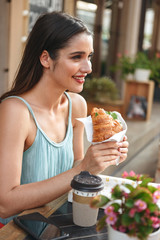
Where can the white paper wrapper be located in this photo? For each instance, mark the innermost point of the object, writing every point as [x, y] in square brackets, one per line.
[116, 137]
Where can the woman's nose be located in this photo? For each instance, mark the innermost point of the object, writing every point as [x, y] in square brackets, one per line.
[86, 67]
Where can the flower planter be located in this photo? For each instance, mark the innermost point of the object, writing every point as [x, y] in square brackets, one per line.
[142, 75]
[116, 235]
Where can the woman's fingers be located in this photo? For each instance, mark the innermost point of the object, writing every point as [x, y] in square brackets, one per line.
[110, 152]
[123, 150]
[112, 144]
[125, 138]
[106, 145]
[102, 155]
[123, 157]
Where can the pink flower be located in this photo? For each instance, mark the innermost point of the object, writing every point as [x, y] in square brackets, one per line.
[132, 174]
[132, 212]
[157, 55]
[157, 213]
[111, 219]
[124, 174]
[141, 205]
[122, 229]
[109, 210]
[119, 55]
[156, 196]
[155, 222]
[147, 213]
[139, 177]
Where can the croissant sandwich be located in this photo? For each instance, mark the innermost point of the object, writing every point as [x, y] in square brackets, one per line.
[105, 124]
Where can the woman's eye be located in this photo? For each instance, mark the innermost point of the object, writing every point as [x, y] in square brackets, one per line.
[76, 57]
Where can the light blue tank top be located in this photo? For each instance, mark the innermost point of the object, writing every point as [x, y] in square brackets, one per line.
[45, 158]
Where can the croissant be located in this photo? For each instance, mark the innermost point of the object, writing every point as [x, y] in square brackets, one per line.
[104, 126]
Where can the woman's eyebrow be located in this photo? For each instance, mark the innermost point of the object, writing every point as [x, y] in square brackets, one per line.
[80, 52]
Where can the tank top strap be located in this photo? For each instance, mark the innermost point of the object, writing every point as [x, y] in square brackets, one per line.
[28, 106]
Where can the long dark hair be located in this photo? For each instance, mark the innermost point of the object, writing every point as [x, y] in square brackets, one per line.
[51, 32]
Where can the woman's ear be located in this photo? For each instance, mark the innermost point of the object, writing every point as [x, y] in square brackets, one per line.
[45, 59]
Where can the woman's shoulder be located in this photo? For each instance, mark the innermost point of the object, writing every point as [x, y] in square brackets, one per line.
[79, 105]
[13, 107]
[77, 97]
[15, 121]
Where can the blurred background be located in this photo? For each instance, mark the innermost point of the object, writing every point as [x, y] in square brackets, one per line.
[126, 38]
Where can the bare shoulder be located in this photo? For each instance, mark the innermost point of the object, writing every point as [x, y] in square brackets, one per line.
[79, 105]
[13, 109]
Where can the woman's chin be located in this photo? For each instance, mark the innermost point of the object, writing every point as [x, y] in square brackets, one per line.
[76, 90]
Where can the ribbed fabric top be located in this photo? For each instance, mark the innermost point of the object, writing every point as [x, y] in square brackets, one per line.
[45, 158]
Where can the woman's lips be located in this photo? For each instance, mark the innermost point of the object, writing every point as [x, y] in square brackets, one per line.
[80, 79]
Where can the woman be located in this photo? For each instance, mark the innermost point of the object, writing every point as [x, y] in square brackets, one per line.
[40, 137]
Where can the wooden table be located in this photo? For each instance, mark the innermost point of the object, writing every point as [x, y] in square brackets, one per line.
[60, 213]
[12, 232]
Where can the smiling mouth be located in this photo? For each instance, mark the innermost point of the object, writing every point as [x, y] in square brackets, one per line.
[79, 79]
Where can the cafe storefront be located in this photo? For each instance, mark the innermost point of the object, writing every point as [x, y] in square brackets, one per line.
[119, 26]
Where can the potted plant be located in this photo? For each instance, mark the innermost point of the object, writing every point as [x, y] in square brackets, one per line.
[131, 212]
[100, 89]
[137, 67]
[125, 65]
[142, 67]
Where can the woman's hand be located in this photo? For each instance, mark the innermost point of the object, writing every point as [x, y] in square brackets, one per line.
[102, 155]
[123, 149]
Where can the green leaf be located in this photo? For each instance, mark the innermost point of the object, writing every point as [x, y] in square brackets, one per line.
[129, 203]
[152, 207]
[99, 201]
[144, 197]
[144, 231]
[114, 115]
[126, 220]
[96, 114]
[117, 192]
[116, 206]
[108, 112]
[152, 189]
[145, 182]
[141, 193]
[101, 223]
[130, 187]
[137, 217]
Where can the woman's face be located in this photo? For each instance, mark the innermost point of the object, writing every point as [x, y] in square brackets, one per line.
[73, 63]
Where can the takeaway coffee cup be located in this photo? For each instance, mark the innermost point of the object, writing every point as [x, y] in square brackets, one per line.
[85, 186]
